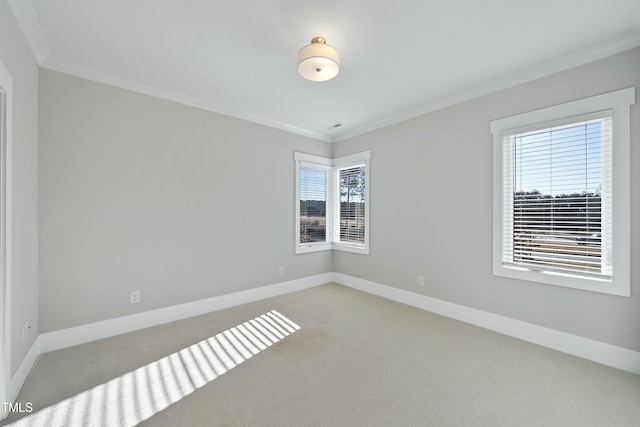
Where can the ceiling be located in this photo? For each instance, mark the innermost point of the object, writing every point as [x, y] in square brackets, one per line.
[399, 59]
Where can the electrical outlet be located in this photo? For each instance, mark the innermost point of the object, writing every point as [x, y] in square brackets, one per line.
[281, 271]
[25, 331]
[134, 298]
[420, 280]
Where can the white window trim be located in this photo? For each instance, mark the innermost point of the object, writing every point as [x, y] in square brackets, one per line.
[6, 110]
[333, 202]
[618, 101]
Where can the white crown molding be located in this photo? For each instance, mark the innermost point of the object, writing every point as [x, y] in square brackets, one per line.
[27, 19]
[28, 22]
[585, 348]
[614, 46]
[53, 64]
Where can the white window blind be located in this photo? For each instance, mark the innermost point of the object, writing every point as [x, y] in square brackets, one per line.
[352, 204]
[557, 197]
[313, 204]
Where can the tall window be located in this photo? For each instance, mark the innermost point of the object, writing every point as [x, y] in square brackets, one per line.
[554, 210]
[561, 197]
[352, 204]
[332, 203]
[313, 204]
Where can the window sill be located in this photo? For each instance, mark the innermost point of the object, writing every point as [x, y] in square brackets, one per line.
[332, 246]
[612, 287]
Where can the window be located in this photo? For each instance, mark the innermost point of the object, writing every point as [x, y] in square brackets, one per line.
[332, 203]
[561, 194]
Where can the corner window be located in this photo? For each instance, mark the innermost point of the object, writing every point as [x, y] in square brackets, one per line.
[332, 203]
[561, 194]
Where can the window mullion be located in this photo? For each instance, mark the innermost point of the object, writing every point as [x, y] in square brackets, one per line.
[331, 203]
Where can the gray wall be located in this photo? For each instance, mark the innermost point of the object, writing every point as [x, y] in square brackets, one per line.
[138, 193]
[16, 57]
[431, 209]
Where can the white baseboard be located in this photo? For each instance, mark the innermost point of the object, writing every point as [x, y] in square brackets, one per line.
[585, 348]
[63, 338]
[596, 351]
[21, 374]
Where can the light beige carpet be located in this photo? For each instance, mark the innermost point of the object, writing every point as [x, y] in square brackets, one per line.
[356, 360]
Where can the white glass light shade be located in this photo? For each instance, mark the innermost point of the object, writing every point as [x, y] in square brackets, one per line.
[318, 61]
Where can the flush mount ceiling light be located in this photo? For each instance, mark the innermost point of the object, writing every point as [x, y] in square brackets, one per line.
[318, 61]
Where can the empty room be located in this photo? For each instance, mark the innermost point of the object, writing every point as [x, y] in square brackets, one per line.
[292, 213]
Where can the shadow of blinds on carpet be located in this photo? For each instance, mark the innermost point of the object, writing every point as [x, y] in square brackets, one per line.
[137, 395]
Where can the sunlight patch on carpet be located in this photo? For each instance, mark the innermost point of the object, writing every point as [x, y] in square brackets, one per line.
[136, 396]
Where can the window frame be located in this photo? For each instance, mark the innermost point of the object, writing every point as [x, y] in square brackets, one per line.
[334, 166]
[618, 103]
[6, 132]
